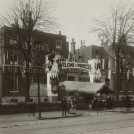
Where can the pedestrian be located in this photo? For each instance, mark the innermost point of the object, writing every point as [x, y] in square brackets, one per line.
[32, 109]
[68, 107]
[64, 106]
[74, 105]
[90, 106]
[127, 102]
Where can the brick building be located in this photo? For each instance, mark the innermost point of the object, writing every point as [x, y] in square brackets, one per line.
[107, 67]
[12, 63]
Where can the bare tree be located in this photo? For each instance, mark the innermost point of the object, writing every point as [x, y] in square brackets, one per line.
[116, 32]
[22, 22]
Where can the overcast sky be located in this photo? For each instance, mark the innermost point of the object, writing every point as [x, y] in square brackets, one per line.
[75, 16]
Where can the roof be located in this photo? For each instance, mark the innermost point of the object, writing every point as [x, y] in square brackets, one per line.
[105, 90]
[86, 52]
[38, 32]
[85, 87]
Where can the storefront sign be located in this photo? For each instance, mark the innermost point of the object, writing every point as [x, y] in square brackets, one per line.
[76, 65]
[16, 69]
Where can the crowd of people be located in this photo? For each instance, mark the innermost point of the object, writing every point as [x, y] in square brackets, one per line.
[70, 106]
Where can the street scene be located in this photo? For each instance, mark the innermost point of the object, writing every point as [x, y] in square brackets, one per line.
[66, 67]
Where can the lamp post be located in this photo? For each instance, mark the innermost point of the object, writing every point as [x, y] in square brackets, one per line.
[39, 110]
[14, 78]
[97, 102]
[40, 49]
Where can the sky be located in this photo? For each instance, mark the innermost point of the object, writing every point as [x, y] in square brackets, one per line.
[76, 17]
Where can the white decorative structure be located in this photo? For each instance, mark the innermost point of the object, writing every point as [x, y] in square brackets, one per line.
[53, 73]
[95, 70]
[50, 95]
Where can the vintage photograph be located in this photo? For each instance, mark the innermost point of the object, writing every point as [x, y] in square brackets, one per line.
[66, 66]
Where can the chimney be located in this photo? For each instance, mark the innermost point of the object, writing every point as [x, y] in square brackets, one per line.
[73, 46]
[82, 43]
[59, 32]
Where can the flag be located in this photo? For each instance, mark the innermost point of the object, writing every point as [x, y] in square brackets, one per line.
[103, 63]
[109, 64]
[109, 74]
[23, 72]
[68, 57]
[128, 72]
[123, 61]
[4, 56]
[132, 71]
[98, 63]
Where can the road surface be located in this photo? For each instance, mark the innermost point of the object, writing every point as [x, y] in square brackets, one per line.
[103, 123]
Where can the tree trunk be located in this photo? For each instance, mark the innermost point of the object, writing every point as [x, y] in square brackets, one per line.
[117, 78]
[27, 82]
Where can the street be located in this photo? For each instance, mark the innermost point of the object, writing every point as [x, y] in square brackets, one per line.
[103, 123]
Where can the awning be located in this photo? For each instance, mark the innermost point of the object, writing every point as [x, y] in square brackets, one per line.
[34, 90]
[105, 90]
[85, 87]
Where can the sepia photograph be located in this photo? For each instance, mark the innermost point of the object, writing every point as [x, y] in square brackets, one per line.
[66, 66]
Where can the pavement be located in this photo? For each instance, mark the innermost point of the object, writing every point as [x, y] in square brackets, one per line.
[121, 109]
[58, 114]
[20, 117]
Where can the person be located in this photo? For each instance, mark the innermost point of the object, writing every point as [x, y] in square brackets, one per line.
[127, 101]
[90, 106]
[64, 106]
[71, 105]
[32, 109]
[68, 107]
[94, 104]
[74, 105]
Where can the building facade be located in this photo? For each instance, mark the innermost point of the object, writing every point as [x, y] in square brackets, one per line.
[103, 59]
[12, 64]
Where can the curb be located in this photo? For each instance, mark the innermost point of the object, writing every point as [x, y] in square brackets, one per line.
[120, 111]
[47, 118]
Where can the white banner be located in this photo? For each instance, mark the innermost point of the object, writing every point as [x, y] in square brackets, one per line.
[76, 65]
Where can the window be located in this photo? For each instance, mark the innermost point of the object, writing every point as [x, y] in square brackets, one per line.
[97, 52]
[70, 78]
[58, 44]
[121, 84]
[12, 57]
[13, 82]
[130, 83]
